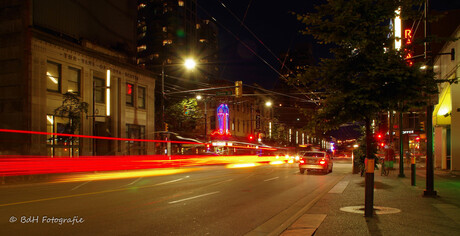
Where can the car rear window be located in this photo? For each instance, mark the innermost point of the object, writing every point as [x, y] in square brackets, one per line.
[314, 154]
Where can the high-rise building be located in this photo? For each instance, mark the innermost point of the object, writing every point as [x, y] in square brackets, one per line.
[168, 32]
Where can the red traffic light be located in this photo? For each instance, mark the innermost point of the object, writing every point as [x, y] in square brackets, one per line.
[251, 137]
[382, 144]
[417, 139]
[379, 136]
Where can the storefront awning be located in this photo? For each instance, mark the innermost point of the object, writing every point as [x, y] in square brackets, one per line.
[442, 111]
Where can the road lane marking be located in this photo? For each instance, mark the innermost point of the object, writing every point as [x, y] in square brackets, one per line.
[172, 181]
[339, 187]
[271, 179]
[135, 181]
[190, 198]
[80, 185]
[95, 193]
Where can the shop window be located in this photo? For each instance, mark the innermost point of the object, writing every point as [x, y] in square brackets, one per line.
[53, 74]
[59, 145]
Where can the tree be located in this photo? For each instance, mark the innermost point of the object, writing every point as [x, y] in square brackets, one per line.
[366, 75]
[73, 109]
[183, 115]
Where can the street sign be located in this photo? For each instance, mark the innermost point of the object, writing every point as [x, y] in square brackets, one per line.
[223, 93]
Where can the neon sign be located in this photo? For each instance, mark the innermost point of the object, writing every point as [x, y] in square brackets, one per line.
[222, 117]
[408, 37]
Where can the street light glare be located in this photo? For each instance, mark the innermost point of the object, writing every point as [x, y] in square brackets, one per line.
[268, 104]
[198, 97]
[190, 63]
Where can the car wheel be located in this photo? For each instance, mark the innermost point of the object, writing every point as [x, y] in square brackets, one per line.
[302, 171]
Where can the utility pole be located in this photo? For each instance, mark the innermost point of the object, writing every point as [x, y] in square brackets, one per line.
[429, 191]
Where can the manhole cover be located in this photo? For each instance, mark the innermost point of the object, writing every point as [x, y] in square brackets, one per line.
[379, 210]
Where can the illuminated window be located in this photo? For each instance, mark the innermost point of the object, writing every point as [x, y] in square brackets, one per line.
[58, 145]
[73, 85]
[165, 29]
[180, 3]
[197, 26]
[167, 41]
[129, 94]
[142, 5]
[99, 90]
[53, 74]
[203, 40]
[141, 97]
[140, 36]
[141, 48]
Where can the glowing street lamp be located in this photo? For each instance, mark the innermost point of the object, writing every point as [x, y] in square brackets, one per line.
[190, 63]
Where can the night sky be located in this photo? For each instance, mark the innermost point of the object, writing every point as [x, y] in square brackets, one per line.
[272, 23]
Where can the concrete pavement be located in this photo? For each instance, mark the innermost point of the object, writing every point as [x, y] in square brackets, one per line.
[402, 208]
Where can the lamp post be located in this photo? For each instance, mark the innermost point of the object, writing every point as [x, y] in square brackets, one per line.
[189, 64]
[199, 97]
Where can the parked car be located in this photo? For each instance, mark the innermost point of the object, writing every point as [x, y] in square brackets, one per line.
[315, 160]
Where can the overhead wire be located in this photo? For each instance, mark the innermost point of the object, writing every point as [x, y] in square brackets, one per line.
[247, 46]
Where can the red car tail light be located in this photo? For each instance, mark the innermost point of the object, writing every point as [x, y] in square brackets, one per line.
[302, 161]
[322, 162]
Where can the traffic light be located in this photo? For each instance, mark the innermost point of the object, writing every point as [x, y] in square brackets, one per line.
[166, 126]
[382, 144]
[238, 89]
[251, 137]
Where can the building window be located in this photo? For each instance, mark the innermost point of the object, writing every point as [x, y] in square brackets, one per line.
[99, 90]
[73, 84]
[53, 73]
[197, 26]
[141, 48]
[141, 97]
[142, 5]
[180, 3]
[129, 94]
[135, 132]
[167, 41]
[58, 145]
[165, 29]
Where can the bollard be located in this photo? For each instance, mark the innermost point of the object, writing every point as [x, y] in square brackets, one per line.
[369, 188]
[412, 167]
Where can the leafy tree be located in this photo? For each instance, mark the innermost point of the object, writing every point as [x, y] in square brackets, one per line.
[366, 75]
[183, 115]
[72, 109]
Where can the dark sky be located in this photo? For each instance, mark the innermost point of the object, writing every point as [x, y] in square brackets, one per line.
[271, 22]
[275, 26]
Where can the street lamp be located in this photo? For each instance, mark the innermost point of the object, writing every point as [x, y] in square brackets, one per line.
[199, 97]
[189, 64]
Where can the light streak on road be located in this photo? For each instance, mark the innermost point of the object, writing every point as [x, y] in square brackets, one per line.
[121, 175]
[242, 165]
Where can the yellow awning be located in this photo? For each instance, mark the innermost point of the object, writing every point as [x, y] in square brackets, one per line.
[442, 111]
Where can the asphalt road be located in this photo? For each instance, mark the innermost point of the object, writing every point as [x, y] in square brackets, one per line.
[195, 201]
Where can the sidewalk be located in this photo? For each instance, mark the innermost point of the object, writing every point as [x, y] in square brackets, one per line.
[418, 215]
